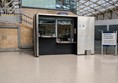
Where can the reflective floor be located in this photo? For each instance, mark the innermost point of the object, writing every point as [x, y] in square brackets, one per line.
[23, 67]
[97, 69]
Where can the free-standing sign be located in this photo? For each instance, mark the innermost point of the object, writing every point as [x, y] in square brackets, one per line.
[109, 38]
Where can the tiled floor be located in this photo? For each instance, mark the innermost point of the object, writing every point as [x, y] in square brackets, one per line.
[97, 69]
[23, 67]
[18, 67]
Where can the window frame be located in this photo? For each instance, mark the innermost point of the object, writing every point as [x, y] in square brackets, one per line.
[49, 18]
[71, 30]
[56, 19]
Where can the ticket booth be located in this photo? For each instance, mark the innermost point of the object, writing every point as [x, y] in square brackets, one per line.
[59, 34]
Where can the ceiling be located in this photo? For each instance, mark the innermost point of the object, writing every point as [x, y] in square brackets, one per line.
[95, 7]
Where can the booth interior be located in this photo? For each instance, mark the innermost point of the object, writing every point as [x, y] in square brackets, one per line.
[55, 34]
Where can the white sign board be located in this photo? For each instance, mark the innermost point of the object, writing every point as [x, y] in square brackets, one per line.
[109, 39]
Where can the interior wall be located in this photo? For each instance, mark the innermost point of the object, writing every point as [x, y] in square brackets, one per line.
[8, 38]
[26, 37]
[85, 35]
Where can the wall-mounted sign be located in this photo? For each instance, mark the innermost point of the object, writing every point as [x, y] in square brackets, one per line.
[109, 39]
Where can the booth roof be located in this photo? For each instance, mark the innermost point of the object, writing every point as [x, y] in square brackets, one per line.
[33, 11]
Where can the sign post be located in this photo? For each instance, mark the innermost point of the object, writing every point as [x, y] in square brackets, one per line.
[108, 39]
[102, 45]
[116, 45]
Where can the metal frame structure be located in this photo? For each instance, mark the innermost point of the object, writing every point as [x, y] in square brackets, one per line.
[10, 6]
[97, 7]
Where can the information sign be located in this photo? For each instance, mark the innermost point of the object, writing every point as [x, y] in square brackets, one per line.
[109, 39]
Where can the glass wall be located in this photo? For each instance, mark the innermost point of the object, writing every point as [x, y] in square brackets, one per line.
[52, 4]
[39, 3]
[65, 31]
[66, 5]
[60, 28]
[47, 27]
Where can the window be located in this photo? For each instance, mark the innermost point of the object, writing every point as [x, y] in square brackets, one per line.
[65, 31]
[60, 28]
[39, 3]
[47, 27]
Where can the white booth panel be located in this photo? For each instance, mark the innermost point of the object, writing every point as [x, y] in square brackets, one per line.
[85, 34]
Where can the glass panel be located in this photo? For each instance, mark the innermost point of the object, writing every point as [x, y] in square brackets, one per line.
[67, 5]
[52, 4]
[65, 31]
[39, 3]
[47, 28]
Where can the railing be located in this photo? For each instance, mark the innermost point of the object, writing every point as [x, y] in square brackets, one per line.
[10, 18]
[16, 17]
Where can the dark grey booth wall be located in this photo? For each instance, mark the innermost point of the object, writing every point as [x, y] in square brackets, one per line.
[48, 46]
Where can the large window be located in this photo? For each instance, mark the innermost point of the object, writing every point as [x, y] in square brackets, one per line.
[60, 28]
[65, 31]
[47, 27]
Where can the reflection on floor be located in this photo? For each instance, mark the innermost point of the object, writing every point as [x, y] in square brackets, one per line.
[97, 69]
[18, 67]
[23, 67]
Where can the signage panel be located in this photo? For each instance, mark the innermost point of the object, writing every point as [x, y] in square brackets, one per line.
[109, 39]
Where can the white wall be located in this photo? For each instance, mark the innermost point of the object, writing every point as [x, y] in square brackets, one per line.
[85, 35]
[107, 22]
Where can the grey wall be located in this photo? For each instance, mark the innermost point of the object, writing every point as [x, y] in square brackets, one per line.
[107, 22]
